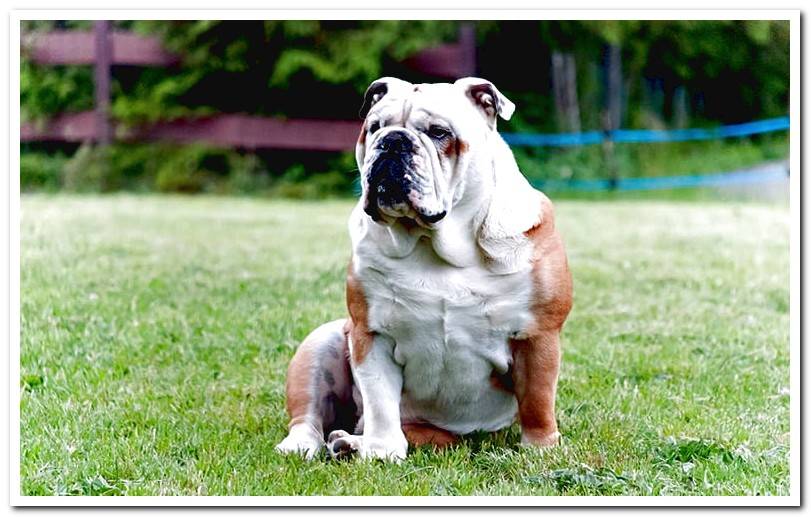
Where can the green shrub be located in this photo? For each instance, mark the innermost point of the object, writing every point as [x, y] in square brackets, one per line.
[325, 184]
[183, 171]
[41, 171]
[191, 168]
[654, 159]
[248, 175]
[299, 182]
[88, 170]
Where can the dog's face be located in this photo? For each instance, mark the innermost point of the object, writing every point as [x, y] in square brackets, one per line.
[417, 144]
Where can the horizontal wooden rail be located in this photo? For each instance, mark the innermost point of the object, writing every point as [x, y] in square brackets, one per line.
[231, 130]
[77, 48]
[72, 47]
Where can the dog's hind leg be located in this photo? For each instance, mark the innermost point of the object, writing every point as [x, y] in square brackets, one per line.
[319, 390]
[422, 434]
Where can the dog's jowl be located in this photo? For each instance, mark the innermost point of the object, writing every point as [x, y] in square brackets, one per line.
[457, 288]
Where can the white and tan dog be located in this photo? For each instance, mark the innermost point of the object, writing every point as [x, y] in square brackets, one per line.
[457, 289]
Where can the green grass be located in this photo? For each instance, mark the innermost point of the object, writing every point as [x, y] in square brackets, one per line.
[156, 333]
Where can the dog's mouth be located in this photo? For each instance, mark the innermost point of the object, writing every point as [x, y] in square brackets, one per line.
[400, 210]
[393, 197]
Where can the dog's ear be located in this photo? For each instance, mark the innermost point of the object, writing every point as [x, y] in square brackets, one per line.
[487, 98]
[377, 90]
[374, 93]
[514, 210]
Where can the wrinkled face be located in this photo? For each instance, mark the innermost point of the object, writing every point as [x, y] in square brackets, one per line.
[415, 149]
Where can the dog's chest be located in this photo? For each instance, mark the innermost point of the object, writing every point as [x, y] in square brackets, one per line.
[451, 329]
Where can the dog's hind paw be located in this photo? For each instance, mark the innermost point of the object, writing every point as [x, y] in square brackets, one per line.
[342, 445]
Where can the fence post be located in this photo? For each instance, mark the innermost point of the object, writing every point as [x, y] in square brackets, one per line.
[101, 75]
[467, 42]
[612, 108]
[680, 108]
[564, 85]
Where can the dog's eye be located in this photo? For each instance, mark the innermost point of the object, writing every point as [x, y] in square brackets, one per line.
[438, 132]
[373, 127]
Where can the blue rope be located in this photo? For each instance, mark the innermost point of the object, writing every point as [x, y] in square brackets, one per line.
[766, 174]
[553, 140]
[740, 177]
[646, 135]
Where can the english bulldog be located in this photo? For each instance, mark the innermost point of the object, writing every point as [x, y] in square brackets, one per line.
[457, 289]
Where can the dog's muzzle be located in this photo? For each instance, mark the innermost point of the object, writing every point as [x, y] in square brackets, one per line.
[392, 185]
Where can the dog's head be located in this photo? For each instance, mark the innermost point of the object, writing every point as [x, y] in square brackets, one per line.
[417, 145]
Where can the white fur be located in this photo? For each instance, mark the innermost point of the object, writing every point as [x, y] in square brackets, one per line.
[380, 381]
[304, 439]
[444, 301]
[450, 327]
[307, 438]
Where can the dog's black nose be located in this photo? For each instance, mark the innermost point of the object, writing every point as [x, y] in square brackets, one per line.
[433, 218]
[396, 142]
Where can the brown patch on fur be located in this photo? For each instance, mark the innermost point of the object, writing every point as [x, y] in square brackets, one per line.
[461, 147]
[298, 387]
[552, 280]
[536, 358]
[455, 148]
[362, 135]
[427, 434]
[362, 337]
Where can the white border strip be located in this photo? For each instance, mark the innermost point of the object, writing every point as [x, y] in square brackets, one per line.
[442, 14]
[794, 252]
[332, 501]
[14, 260]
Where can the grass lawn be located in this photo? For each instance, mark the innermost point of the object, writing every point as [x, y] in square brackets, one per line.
[156, 333]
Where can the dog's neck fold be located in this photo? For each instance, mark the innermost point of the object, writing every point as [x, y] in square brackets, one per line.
[513, 209]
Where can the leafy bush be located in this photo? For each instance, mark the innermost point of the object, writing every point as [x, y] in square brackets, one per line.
[45, 90]
[656, 159]
[87, 170]
[296, 184]
[186, 168]
[41, 171]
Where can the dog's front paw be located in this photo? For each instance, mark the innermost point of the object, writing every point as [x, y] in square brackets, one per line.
[301, 440]
[342, 445]
[389, 450]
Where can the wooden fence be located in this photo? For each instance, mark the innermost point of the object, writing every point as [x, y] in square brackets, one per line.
[103, 47]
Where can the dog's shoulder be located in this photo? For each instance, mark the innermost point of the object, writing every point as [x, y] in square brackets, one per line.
[551, 277]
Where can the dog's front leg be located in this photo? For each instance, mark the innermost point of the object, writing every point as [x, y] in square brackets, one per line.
[380, 380]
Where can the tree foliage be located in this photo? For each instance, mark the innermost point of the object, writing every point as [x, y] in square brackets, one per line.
[261, 67]
[733, 70]
[717, 71]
